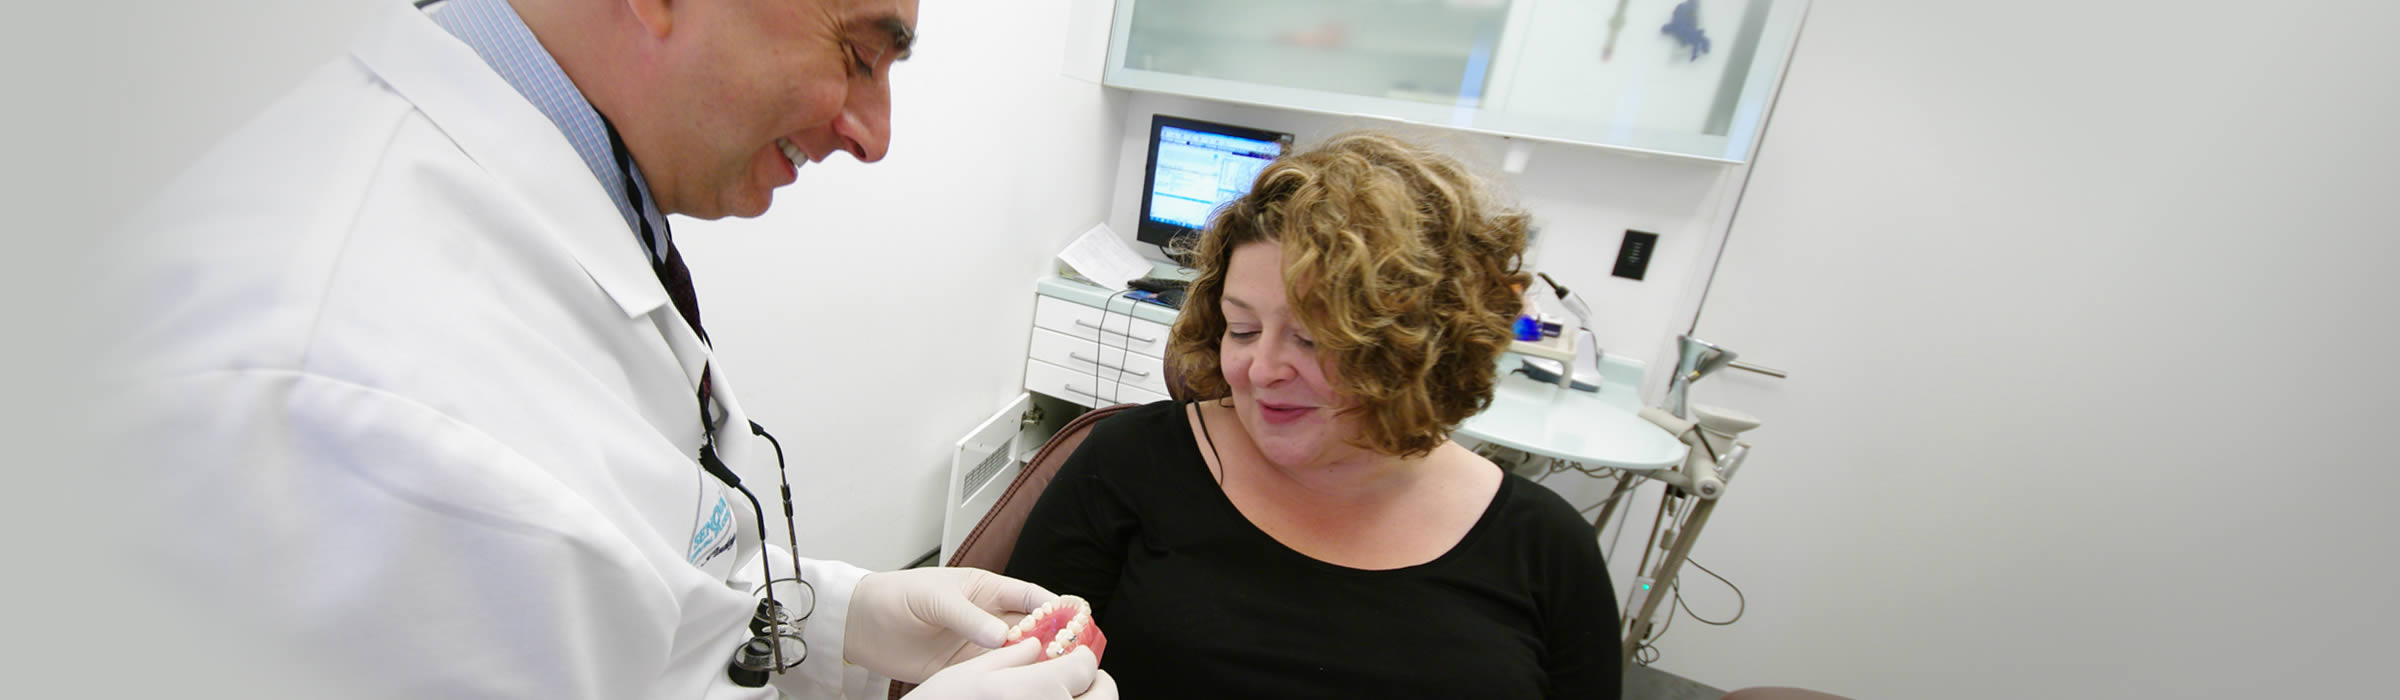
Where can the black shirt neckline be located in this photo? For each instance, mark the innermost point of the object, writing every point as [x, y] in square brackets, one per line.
[1483, 523]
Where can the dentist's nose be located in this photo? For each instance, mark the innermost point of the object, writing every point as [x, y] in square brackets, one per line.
[866, 125]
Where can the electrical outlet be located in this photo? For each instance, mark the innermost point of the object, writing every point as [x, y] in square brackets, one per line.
[1633, 256]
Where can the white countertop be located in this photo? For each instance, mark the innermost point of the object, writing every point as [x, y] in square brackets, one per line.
[1091, 295]
[1601, 429]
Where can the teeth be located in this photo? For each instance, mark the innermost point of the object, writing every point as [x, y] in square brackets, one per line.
[792, 153]
[1068, 636]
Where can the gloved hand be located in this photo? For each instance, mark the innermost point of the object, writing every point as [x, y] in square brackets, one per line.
[1013, 674]
[910, 623]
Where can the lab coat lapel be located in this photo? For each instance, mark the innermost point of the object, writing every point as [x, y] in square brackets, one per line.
[521, 148]
[497, 128]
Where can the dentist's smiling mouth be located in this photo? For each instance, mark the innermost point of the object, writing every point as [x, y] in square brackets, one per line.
[792, 153]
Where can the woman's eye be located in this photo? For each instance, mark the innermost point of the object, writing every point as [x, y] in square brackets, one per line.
[1241, 335]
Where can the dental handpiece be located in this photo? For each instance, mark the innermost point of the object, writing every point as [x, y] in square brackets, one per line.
[1573, 302]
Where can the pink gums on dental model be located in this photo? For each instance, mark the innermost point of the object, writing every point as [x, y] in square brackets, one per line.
[1061, 625]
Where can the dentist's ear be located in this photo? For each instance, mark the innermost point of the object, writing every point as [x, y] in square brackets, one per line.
[656, 16]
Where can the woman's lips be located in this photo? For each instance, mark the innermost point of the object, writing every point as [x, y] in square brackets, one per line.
[1279, 414]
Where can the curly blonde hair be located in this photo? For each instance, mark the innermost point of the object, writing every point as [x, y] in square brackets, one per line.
[1398, 267]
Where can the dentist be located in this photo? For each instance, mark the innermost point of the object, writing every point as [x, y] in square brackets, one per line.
[417, 387]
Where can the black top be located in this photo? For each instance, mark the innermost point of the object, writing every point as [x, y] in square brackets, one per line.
[1198, 603]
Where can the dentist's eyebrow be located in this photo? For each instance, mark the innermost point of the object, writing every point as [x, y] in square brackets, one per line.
[903, 38]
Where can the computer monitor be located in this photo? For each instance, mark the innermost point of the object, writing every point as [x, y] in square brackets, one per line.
[1195, 166]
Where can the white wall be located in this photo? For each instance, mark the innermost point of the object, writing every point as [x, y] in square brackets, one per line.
[180, 75]
[2086, 307]
[124, 94]
[878, 312]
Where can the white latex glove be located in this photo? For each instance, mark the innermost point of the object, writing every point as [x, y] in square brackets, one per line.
[1013, 674]
[910, 623]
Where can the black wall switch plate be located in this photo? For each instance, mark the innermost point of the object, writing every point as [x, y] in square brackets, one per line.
[1633, 257]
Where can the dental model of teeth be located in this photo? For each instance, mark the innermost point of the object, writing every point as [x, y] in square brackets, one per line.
[1061, 625]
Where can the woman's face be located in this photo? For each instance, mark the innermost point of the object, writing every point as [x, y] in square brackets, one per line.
[1282, 391]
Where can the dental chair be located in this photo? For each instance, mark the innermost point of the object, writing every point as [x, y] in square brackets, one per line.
[994, 538]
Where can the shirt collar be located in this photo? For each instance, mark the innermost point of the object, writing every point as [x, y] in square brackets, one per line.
[496, 33]
[515, 147]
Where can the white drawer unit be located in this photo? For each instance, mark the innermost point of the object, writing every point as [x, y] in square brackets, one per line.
[1106, 363]
[1079, 387]
[1094, 357]
[1145, 373]
[1115, 327]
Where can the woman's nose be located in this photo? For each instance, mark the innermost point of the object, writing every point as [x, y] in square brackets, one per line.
[1273, 362]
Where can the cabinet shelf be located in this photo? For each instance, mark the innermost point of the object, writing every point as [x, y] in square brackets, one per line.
[1529, 69]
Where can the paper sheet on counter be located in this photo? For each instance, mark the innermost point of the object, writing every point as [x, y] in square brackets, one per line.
[1100, 256]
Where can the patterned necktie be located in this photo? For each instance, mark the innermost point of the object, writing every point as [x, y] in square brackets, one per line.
[670, 269]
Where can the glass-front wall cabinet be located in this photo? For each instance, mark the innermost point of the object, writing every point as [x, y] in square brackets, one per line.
[1683, 77]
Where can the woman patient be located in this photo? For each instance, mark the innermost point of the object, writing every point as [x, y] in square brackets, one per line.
[1315, 532]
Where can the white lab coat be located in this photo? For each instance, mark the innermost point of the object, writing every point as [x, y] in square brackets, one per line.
[408, 395]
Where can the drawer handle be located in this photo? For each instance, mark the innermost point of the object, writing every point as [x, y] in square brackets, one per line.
[1073, 388]
[1096, 327]
[1104, 365]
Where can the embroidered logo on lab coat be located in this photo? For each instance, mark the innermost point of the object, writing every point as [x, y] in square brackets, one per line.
[714, 537]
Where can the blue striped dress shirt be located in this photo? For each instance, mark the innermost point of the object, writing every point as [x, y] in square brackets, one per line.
[497, 34]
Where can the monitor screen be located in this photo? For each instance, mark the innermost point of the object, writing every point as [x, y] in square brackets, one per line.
[1195, 166]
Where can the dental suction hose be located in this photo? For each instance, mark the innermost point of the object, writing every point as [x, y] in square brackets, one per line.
[1699, 475]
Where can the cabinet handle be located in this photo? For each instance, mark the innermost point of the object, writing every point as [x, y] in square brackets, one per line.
[1104, 365]
[1073, 388]
[1096, 327]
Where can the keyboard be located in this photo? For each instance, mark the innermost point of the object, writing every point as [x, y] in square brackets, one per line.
[1160, 285]
[1172, 298]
